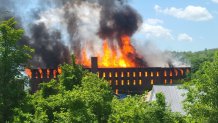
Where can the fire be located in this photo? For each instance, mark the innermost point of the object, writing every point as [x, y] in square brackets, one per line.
[127, 47]
[171, 73]
[113, 57]
[165, 73]
[59, 70]
[55, 73]
[85, 60]
[28, 72]
[48, 73]
[176, 72]
[40, 72]
[182, 72]
[157, 73]
[43, 73]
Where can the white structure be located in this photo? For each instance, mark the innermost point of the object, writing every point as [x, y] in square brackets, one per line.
[173, 95]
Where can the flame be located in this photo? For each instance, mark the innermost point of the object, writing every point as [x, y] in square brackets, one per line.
[55, 73]
[146, 74]
[48, 73]
[157, 73]
[127, 47]
[140, 82]
[28, 72]
[59, 70]
[165, 73]
[117, 91]
[182, 72]
[112, 57]
[152, 74]
[85, 61]
[40, 72]
[176, 72]
[171, 73]
[171, 81]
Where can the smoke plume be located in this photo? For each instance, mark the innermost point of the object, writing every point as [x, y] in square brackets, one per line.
[58, 28]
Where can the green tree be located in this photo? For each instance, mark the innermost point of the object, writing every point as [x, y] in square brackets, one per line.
[136, 110]
[130, 110]
[12, 59]
[195, 59]
[202, 102]
[76, 96]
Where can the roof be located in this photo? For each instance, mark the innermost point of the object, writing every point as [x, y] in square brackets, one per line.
[173, 95]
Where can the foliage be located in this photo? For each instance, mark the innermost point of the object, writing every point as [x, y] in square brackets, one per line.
[136, 110]
[71, 76]
[12, 59]
[88, 99]
[196, 59]
[202, 101]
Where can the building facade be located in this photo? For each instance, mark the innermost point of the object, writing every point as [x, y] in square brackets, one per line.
[122, 80]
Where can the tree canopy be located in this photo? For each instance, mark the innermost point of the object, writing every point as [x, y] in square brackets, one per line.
[134, 109]
[12, 61]
[195, 59]
[202, 101]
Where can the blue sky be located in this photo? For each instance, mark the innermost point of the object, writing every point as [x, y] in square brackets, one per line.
[179, 25]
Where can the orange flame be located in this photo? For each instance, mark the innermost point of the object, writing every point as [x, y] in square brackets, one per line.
[165, 81]
[59, 70]
[165, 73]
[176, 72]
[171, 81]
[28, 72]
[127, 47]
[40, 72]
[55, 73]
[152, 74]
[157, 73]
[171, 73]
[182, 72]
[48, 73]
[85, 60]
[112, 57]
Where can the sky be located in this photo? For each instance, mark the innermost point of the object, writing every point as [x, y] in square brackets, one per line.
[178, 25]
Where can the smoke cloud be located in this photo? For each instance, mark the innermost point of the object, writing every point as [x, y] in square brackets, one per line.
[58, 28]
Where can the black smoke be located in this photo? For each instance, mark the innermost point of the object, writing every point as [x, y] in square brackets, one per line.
[121, 21]
[48, 47]
[117, 18]
[49, 50]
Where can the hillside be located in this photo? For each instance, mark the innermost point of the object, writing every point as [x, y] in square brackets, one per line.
[196, 58]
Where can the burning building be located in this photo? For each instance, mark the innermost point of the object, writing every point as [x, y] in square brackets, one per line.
[130, 80]
[137, 80]
[102, 28]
